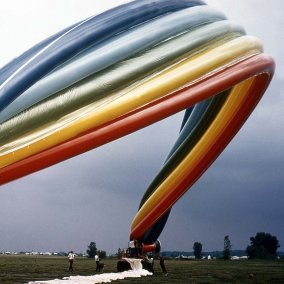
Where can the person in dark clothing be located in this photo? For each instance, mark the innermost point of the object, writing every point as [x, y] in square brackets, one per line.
[162, 264]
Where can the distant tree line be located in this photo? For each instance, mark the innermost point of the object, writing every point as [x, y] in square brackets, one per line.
[262, 246]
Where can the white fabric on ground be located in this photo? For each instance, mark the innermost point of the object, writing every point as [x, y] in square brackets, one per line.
[135, 263]
[98, 278]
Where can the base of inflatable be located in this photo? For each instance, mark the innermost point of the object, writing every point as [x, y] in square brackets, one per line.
[125, 265]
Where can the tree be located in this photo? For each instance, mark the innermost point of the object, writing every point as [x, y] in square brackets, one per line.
[119, 252]
[227, 248]
[197, 249]
[263, 246]
[92, 250]
[102, 254]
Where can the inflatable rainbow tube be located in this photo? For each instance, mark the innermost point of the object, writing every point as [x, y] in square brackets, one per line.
[122, 70]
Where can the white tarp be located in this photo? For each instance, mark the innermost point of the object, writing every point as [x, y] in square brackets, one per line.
[98, 278]
[135, 263]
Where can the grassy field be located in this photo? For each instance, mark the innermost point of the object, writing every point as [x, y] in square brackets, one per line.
[21, 269]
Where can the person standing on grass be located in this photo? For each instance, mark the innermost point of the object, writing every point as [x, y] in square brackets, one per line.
[162, 264]
[97, 259]
[71, 257]
[151, 260]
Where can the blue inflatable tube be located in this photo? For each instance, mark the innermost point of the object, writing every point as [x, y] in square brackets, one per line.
[16, 63]
[110, 52]
[91, 31]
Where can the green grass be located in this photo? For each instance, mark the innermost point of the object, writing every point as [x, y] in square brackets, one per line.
[21, 269]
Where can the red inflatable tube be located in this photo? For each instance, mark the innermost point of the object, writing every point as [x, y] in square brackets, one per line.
[156, 247]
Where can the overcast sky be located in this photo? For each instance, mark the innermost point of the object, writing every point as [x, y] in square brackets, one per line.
[94, 197]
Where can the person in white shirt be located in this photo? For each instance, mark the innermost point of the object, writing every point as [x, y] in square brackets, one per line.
[97, 259]
[71, 257]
